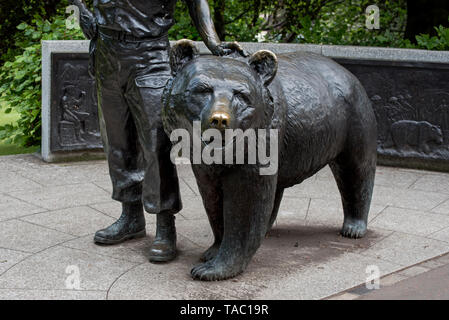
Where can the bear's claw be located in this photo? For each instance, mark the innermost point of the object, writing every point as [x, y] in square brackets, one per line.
[212, 272]
[353, 230]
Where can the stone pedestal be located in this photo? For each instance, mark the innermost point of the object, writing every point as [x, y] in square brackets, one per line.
[70, 126]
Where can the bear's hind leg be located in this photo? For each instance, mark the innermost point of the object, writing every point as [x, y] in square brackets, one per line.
[355, 180]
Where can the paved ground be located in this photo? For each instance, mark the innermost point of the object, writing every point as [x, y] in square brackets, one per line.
[430, 285]
[49, 213]
[428, 280]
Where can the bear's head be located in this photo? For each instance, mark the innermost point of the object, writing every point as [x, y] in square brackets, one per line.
[219, 92]
[436, 134]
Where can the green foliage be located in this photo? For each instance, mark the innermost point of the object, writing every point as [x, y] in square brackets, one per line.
[241, 20]
[14, 12]
[439, 42]
[238, 16]
[20, 79]
[8, 148]
[336, 22]
[183, 29]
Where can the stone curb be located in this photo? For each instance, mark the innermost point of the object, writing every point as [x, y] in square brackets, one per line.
[393, 278]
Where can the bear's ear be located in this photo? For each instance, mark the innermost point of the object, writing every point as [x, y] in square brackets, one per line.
[181, 53]
[266, 64]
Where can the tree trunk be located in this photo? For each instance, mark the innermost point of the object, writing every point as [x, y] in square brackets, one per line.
[256, 14]
[219, 19]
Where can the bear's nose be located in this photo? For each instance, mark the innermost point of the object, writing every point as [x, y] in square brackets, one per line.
[220, 120]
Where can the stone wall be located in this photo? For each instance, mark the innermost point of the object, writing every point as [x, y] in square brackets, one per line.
[409, 90]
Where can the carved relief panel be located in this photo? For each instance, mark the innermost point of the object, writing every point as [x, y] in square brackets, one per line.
[411, 102]
[75, 124]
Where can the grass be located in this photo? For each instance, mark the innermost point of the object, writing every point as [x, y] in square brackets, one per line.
[6, 148]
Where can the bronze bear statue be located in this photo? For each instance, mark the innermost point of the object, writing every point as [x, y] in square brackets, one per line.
[323, 117]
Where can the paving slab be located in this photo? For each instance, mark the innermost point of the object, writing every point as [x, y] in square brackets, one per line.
[26, 294]
[11, 208]
[54, 268]
[293, 208]
[185, 189]
[106, 185]
[197, 231]
[184, 171]
[410, 221]
[114, 209]
[49, 213]
[78, 221]
[59, 175]
[385, 176]
[28, 237]
[406, 249]
[430, 285]
[110, 208]
[12, 181]
[136, 250]
[413, 271]
[407, 198]
[442, 208]
[132, 251]
[442, 235]
[331, 211]
[314, 188]
[193, 208]
[9, 258]
[392, 177]
[432, 183]
[66, 196]
[191, 183]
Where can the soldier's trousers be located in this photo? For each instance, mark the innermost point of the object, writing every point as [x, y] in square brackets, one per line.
[130, 79]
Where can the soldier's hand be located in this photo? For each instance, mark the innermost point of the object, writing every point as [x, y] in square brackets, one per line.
[228, 48]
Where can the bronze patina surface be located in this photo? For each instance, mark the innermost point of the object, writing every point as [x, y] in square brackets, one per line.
[323, 116]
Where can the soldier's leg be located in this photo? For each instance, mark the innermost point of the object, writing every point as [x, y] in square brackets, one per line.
[160, 186]
[120, 138]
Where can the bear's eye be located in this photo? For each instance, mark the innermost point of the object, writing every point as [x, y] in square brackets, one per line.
[243, 97]
[201, 88]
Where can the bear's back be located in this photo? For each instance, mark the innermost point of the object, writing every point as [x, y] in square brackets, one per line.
[305, 72]
[320, 95]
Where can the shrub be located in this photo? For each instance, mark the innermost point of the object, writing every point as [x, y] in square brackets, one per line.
[20, 79]
[324, 22]
[439, 42]
[12, 13]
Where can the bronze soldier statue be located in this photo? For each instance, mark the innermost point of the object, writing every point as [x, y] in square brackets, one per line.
[130, 55]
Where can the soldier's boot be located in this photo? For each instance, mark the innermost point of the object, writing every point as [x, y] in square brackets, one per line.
[130, 225]
[163, 248]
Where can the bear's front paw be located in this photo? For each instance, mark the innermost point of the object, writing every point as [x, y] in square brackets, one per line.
[210, 253]
[211, 271]
[353, 229]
